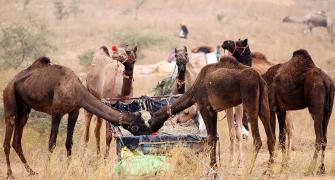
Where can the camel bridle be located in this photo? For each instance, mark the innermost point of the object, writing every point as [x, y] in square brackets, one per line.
[239, 47]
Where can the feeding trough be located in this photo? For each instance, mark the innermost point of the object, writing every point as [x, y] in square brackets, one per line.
[151, 144]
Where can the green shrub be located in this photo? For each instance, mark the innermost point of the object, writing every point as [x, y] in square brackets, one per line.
[141, 39]
[23, 42]
[85, 58]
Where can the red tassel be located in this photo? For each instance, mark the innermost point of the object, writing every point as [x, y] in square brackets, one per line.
[114, 48]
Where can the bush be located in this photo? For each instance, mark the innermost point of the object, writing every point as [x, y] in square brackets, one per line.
[85, 58]
[141, 39]
[21, 42]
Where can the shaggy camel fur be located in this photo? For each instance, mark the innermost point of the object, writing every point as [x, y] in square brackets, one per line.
[318, 19]
[218, 87]
[104, 80]
[55, 90]
[298, 84]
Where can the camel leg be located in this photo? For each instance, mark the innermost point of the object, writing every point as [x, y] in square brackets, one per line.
[54, 131]
[318, 143]
[282, 135]
[72, 119]
[231, 130]
[330, 32]
[257, 139]
[322, 169]
[88, 118]
[239, 116]
[97, 131]
[289, 128]
[210, 119]
[6, 144]
[19, 125]
[109, 137]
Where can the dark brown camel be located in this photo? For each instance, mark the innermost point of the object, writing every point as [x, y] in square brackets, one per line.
[104, 81]
[298, 84]
[218, 87]
[55, 90]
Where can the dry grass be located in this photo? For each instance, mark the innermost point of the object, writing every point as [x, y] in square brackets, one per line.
[103, 22]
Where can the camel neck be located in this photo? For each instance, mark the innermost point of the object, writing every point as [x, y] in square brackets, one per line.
[181, 79]
[245, 58]
[127, 80]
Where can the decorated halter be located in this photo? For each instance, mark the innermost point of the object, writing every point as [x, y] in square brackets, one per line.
[130, 57]
[239, 47]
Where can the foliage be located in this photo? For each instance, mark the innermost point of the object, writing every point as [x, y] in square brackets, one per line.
[21, 42]
[141, 39]
[60, 10]
[164, 87]
[85, 58]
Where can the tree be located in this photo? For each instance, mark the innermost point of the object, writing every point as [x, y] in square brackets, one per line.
[21, 42]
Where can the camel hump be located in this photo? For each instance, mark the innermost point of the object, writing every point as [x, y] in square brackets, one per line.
[41, 62]
[258, 55]
[303, 53]
[105, 50]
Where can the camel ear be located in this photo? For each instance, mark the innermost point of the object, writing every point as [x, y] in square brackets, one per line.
[185, 48]
[245, 42]
[175, 52]
[135, 49]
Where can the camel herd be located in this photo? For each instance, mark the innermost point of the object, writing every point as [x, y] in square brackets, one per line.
[264, 90]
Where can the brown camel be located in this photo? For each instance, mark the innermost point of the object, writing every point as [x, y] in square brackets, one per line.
[240, 50]
[318, 19]
[55, 90]
[105, 81]
[218, 87]
[261, 64]
[298, 84]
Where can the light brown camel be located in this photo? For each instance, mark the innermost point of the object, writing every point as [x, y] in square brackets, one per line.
[218, 87]
[106, 80]
[318, 19]
[55, 90]
[299, 84]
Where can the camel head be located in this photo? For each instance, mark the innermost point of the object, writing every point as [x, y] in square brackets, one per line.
[237, 48]
[126, 55]
[136, 124]
[181, 58]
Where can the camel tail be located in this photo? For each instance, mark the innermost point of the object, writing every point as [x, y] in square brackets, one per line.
[263, 103]
[329, 100]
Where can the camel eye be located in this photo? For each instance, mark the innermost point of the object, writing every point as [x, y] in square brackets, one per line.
[128, 52]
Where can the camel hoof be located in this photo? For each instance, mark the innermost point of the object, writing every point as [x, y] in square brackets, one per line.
[322, 169]
[269, 173]
[32, 173]
[10, 176]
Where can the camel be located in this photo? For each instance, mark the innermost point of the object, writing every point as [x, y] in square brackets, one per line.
[261, 64]
[220, 86]
[318, 19]
[55, 90]
[241, 51]
[105, 81]
[298, 84]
